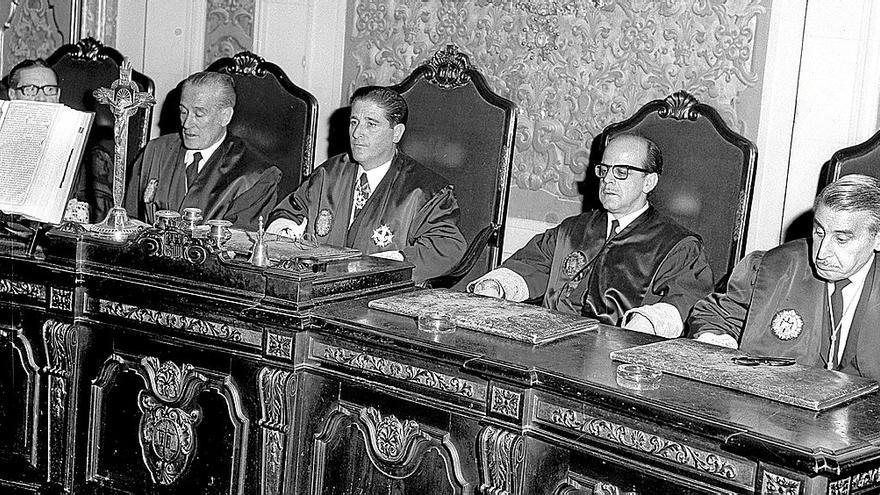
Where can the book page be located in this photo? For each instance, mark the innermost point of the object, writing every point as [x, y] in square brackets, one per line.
[24, 131]
[40, 149]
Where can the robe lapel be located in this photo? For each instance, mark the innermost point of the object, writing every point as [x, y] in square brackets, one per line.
[376, 205]
[173, 185]
[863, 333]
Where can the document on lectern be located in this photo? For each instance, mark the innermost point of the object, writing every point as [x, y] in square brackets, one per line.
[40, 148]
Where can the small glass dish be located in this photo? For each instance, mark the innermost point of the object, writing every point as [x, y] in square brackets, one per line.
[435, 323]
[638, 377]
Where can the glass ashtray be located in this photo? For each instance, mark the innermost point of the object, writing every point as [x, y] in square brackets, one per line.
[638, 377]
[435, 323]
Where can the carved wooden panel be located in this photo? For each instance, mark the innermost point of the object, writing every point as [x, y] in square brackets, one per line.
[276, 389]
[20, 385]
[502, 461]
[61, 342]
[363, 451]
[147, 424]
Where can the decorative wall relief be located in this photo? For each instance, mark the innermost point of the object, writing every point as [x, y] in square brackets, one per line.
[229, 28]
[572, 66]
[98, 20]
[33, 32]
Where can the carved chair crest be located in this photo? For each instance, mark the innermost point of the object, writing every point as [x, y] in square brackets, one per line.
[679, 106]
[247, 63]
[89, 49]
[448, 68]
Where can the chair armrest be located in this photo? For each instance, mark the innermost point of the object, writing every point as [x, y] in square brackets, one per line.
[468, 259]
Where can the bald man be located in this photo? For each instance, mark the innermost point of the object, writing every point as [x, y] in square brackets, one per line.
[626, 265]
[203, 166]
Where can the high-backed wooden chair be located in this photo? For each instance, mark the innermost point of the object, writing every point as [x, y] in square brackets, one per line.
[81, 68]
[708, 172]
[273, 115]
[862, 158]
[462, 130]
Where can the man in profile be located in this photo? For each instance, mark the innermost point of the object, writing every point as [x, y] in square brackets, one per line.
[626, 265]
[203, 166]
[378, 200]
[816, 301]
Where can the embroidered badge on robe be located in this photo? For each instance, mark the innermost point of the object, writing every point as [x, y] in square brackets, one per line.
[324, 222]
[150, 191]
[787, 324]
[382, 236]
[573, 263]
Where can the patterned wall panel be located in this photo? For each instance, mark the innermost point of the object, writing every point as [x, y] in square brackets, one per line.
[572, 66]
[229, 28]
[33, 32]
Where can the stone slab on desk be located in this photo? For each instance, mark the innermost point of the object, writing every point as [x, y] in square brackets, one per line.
[523, 322]
[811, 388]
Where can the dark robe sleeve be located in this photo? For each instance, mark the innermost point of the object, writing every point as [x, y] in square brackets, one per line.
[725, 313]
[683, 277]
[133, 200]
[435, 243]
[534, 261]
[295, 206]
[246, 209]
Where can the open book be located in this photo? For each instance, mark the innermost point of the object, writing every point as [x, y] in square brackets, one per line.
[40, 148]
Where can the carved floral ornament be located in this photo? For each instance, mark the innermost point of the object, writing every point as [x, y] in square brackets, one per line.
[572, 66]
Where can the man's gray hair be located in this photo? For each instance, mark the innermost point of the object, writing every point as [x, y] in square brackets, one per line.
[854, 192]
[221, 83]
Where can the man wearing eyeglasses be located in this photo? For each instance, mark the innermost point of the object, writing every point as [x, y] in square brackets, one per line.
[35, 81]
[626, 265]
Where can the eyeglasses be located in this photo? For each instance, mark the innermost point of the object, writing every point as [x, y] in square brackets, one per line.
[31, 90]
[620, 172]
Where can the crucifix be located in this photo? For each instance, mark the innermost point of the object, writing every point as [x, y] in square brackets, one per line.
[124, 100]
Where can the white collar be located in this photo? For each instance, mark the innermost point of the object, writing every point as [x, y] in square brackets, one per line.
[625, 220]
[857, 279]
[206, 153]
[375, 176]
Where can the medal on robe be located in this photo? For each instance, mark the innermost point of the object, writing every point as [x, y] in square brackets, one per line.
[787, 324]
[573, 263]
[324, 222]
[150, 191]
[382, 236]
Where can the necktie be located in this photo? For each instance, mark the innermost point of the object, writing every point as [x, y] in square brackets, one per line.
[361, 193]
[192, 170]
[614, 226]
[836, 316]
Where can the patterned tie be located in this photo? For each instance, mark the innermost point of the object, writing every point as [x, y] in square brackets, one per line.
[836, 315]
[361, 193]
[614, 226]
[192, 170]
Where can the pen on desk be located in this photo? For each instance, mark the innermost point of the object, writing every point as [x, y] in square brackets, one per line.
[67, 166]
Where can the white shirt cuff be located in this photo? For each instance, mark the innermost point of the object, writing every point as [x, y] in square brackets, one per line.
[288, 228]
[664, 318]
[389, 255]
[514, 286]
[722, 340]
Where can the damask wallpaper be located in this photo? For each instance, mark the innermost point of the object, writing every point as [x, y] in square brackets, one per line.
[572, 67]
[229, 28]
[36, 29]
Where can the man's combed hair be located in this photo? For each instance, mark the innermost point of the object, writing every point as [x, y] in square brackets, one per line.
[15, 73]
[223, 84]
[854, 192]
[389, 100]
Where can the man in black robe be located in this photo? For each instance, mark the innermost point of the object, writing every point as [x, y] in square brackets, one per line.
[817, 302]
[203, 166]
[628, 265]
[378, 200]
